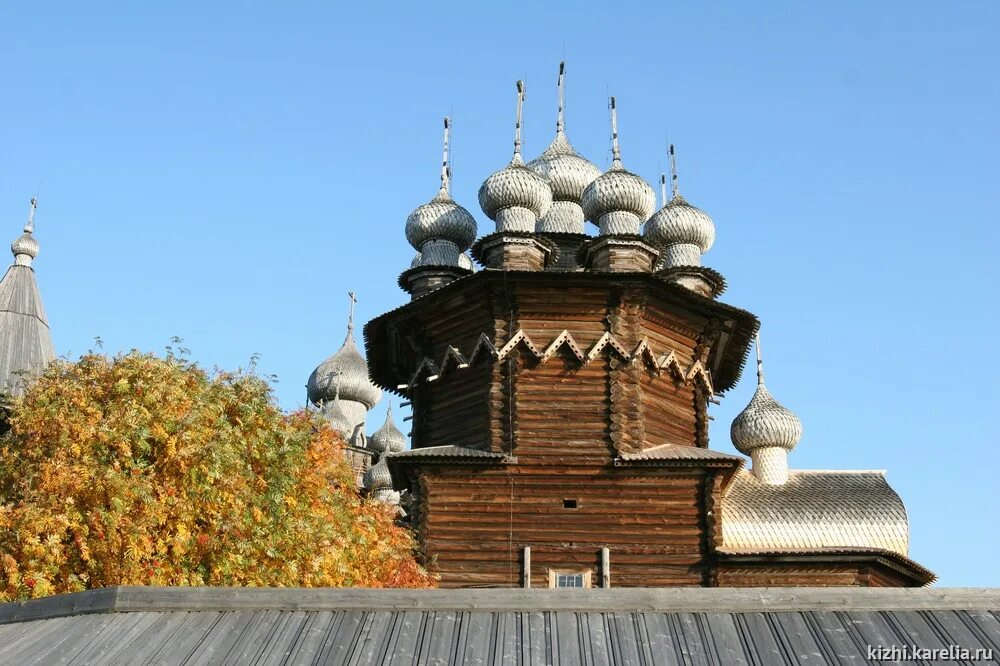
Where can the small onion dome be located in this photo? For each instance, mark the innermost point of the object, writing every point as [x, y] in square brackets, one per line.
[680, 223]
[388, 438]
[764, 424]
[441, 219]
[377, 477]
[568, 174]
[618, 202]
[347, 370]
[25, 244]
[515, 197]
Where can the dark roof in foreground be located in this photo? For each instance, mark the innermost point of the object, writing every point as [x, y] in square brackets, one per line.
[616, 626]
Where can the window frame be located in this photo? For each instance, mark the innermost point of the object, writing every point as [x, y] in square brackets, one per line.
[588, 578]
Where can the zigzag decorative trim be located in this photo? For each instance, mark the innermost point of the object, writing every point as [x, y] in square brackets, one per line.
[483, 346]
[608, 340]
[453, 359]
[518, 338]
[566, 339]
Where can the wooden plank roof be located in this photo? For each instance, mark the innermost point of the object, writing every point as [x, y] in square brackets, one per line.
[614, 626]
[25, 342]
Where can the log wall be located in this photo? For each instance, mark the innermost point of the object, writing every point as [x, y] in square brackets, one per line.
[475, 524]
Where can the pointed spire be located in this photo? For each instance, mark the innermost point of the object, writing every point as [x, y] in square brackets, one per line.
[561, 83]
[663, 190]
[445, 166]
[25, 247]
[616, 153]
[517, 126]
[30, 226]
[350, 315]
[760, 362]
[674, 191]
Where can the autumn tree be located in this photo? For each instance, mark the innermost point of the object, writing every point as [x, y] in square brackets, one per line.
[140, 470]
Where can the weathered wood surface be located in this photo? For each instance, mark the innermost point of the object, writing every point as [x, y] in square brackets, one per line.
[734, 600]
[567, 413]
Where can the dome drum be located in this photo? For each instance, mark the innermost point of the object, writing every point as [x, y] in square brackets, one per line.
[564, 217]
[439, 252]
[770, 465]
[463, 260]
[680, 254]
[619, 223]
[516, 218]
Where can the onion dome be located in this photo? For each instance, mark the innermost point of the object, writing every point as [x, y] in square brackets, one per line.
[441, 222]
[682, 232]
[347, 371]
[388, 438]
[377, 477]
[516, 197]
[568, 174]
[764, 423]
[25, 247]
[618, 202]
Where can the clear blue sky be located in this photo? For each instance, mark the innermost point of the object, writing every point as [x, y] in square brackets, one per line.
[225, 174]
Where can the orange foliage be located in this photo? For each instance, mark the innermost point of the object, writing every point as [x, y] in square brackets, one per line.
[138, 470]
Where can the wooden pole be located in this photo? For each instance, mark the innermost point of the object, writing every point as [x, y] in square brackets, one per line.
[605, 567]
[526, 569]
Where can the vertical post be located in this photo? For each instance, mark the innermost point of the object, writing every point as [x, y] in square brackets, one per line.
[526, 568]
[605, 567]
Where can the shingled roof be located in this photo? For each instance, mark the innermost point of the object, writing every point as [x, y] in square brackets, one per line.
[612, 626]
[25, 343]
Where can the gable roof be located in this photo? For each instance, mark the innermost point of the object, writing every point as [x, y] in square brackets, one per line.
[604, 626]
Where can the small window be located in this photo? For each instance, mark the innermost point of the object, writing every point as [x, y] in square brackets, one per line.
[569, 503]
[578, 579]
[569, 580]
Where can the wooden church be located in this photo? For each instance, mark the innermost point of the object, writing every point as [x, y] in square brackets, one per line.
[560, 429]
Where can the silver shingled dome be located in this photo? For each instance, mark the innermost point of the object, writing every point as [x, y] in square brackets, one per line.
[515, 197]
[377, 477]
[618, 201]
[441, 219]
[765, 423]
[680, 222]
[566, 170]
[388, 438]
[25, 244]
[348, 370]
[568, 174]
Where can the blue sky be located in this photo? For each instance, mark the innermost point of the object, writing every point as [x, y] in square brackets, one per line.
[226, 173]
